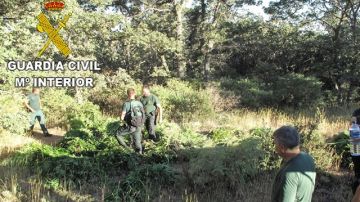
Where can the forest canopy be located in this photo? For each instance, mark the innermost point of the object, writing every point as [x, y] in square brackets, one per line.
[302, 43]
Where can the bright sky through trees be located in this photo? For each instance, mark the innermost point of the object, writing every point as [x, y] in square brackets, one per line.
[257, 9]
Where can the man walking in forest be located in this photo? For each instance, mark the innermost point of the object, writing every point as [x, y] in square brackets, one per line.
[153, 111]
[134, 116]
[295, 180]
[33, 103]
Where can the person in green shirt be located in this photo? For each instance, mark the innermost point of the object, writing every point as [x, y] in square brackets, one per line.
[152, 106]
[295, 181]
[130, 129]
[33, 103]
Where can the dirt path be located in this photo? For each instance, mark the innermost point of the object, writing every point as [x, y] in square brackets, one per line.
[10, 143]
[57, 136]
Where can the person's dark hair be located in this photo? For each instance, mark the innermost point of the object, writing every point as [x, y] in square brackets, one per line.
[130, 91]
[146, 86]
[287, 136]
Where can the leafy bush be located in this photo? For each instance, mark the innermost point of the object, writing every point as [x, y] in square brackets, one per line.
[181, 102]
[87, 115]
[110, 91]
[270, 160]
[56, 105]
[340, 143]
[315, 144]
[14, 117]
[297, 90]
[225, 167]
[146, 180]
[77, 145]
[221, 135]
[293, 90]
[112, 127]
[251, 92]
[175, 138]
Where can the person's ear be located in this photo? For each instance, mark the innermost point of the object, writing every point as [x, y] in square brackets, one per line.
[282, 149]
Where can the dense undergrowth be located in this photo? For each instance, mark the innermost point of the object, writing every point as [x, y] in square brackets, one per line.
[191, 162]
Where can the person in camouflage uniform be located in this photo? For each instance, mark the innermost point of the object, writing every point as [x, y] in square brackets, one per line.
[153, 111]
[129, 128]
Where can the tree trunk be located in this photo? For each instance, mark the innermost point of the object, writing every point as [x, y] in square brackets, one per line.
[354, 8]
[181, 62]
[207, 66]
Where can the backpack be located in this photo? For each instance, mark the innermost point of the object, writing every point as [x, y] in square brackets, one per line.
[136, 115]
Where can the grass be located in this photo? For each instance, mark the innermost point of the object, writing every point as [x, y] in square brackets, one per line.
[9, 143]
[197, 155]
[245, 119]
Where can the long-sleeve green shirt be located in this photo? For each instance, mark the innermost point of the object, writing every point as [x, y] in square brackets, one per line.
[295, 181]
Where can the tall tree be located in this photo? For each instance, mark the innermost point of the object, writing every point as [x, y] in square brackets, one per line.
[339, 19]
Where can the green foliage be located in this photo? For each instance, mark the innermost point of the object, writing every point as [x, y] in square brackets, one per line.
[139, 183]
[14, 116]
[112, 127]
[225, 167]
[315, 144]
[340, 143]
[87, 115]
[291, 90]
[224, 160]
[77, 145]
[53, 184]
[251, 92]
[297, 90]
[181, 102]
[110, 91]
[270, 160]
[176, 138]
[265, 63]
[57, 104]
[221, 135]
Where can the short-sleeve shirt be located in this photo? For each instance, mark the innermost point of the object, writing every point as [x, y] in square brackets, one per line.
[150, 103]
[34, 101]
[295, 181]
[127, 108]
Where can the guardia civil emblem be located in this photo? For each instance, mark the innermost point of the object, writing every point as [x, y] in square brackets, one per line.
[51, 31]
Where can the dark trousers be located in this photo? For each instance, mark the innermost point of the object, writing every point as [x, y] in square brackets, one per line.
[356, 161]
[134, 132]
[150, 125]
[43, 127]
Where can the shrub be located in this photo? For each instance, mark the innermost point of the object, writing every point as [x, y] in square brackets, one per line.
[87, 115]
[296, 90]
[14, 117]
[57, 104]
[175, 138]
[270, 160]
[79, 146]
[181, 102]
[221, 135]
[291, 90]
[110, 91]
[315, 144]
[147, 179]
[342, 148]
[225, 167]
[251, 92]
